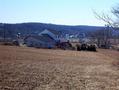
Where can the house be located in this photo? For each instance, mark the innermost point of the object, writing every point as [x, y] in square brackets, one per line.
[69, 38]
[73, 40]
[89, 40]
[45, 39]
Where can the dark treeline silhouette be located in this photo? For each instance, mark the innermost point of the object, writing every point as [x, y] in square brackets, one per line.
[11, 30]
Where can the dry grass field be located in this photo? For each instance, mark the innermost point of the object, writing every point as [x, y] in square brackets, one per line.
[23, 68]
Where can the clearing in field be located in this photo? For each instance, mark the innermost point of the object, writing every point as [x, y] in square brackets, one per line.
[24, 68]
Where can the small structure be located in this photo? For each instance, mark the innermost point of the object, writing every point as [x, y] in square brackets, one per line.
[72, 38]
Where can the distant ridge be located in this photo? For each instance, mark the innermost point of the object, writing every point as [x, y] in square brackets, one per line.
[35, 28]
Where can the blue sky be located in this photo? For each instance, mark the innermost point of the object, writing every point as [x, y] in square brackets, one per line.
[68, 12]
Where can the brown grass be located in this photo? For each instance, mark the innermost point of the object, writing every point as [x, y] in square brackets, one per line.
[24, 68]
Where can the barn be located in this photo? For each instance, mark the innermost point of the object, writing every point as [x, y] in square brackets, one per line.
[45, 39]
[42, 41]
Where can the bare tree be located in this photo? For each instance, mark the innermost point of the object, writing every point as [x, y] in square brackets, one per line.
[115, 11]
[108, 19]
[112, 22]
[104, 17]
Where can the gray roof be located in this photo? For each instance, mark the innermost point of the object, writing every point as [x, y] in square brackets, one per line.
[54, 32]
[44, 38]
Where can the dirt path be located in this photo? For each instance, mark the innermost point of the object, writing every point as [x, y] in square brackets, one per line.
[42, 69]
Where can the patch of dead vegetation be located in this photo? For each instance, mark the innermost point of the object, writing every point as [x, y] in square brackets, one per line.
[24, 68]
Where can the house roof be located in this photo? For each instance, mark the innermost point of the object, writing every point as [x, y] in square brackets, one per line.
[44, 38]
[54, 31]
